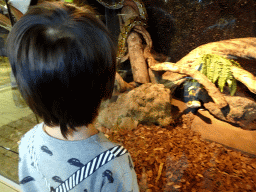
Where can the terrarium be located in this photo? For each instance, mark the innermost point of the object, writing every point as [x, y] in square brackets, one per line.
[184, 103]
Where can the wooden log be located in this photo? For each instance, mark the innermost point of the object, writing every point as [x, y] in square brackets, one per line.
[135, 47]
[136, 55]
[149, 57]
[153, 77]
[121, 85]
[241, 47]
[245, 77]
[212, 90]
[172, 76]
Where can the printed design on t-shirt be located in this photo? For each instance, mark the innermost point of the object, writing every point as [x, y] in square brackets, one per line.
[108, 174]
[75, 162]
[85, 190]
[46, 150]
[57, 179]
[26, 180]
[130, 162]
[31, 151]
[89, 168]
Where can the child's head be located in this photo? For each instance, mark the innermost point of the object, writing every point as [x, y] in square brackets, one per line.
[63, 60]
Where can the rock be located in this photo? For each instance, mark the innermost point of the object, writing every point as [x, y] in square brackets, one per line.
[242, 111]
[128, 122]
[149, 103]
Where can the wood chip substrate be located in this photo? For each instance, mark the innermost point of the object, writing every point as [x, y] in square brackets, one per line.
[175, 158]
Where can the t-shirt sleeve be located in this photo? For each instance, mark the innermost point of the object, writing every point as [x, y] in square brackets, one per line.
[127, 180]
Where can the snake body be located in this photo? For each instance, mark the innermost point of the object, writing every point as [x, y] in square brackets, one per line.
[115, 5]
[142, 9]
[129, 24]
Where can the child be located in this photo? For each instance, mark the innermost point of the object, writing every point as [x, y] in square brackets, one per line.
[63, 60]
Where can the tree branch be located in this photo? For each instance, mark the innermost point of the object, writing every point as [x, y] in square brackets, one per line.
[212, 90]
[248, 79]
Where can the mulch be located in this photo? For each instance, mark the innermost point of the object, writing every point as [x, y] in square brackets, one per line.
[175, 158]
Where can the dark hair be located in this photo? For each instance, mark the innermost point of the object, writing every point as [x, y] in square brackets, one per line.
[63, 59]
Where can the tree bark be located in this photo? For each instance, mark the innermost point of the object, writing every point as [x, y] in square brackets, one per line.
[138, 63]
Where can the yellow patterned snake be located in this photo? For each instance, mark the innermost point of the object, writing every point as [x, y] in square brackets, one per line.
[129, 24]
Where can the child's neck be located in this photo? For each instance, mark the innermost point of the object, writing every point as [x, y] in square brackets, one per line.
[81, 133]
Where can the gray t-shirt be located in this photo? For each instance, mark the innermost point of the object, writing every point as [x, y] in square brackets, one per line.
[90, 165]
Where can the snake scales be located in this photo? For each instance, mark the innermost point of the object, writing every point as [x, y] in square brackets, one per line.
[129, 24]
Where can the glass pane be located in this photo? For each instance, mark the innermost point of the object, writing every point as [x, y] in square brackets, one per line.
[173, 157]
[15, 120]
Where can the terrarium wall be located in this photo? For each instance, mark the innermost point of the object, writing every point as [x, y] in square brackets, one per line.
[200, 22]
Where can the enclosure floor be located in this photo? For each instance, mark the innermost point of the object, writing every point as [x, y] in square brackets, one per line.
[224, 133]
[221, 132]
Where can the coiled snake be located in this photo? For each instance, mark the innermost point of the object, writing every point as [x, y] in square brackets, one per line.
[129, 24]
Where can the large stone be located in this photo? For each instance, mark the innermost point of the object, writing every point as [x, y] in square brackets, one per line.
[149, 103]
[241, 111]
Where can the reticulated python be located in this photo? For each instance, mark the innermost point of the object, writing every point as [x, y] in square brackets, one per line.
[129, 24]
